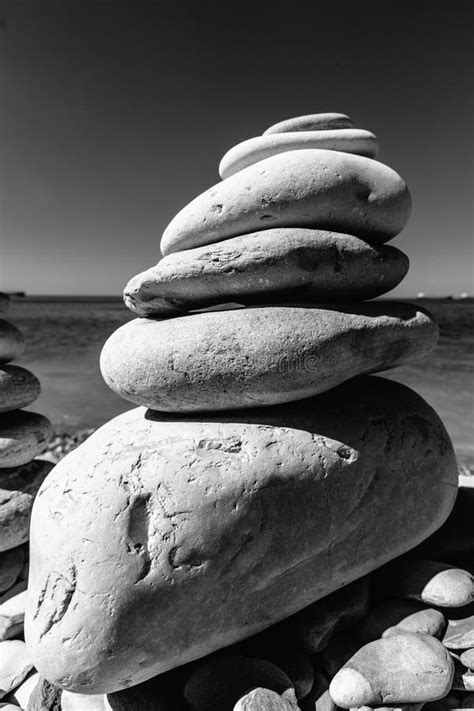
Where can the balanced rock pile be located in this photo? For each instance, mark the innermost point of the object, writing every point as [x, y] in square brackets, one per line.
[233, 545]
[23, 436]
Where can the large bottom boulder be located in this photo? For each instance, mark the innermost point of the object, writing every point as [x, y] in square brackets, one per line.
[163, 538]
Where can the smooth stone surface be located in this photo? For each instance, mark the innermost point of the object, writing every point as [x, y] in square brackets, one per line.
[22, 694]
[428, 581]
[82, 702]
[188, 538]
[5, 301]
[18, 488]
[460, 631]
[18, 388]
[12, 611]
[23, 436]
[316, 624]
[404, 668]
[311, 122]
[348, 140]
[259, 355]
[401, 616]
[281, 264]
[12, 343]
[313, 188]
[218, 684]
[11, 564]
[467, 658]
[15, 664]
[45, 697]
[263, 700]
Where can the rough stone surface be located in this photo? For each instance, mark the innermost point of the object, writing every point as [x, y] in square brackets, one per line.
[218, 684]
[188, 538]
[467, 658]
[348, 140]
[23, 436]
[314, 188]
[406, 668]
[428, 581]
[18, 488]
[18, 387]
[401, 616]
[12, 343]
[311, 122]
[45, 697]
[261, 355]
[12, 611]
[316, 624]
[263, 700]
[275, 265]
[11, 564]
[5, 301]
[15, 663]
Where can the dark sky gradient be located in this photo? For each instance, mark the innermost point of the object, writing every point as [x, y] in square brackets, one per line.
[114, 115]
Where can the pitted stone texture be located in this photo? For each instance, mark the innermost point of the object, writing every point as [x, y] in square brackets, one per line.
[313, 188]
[23, 436]
[406, 668]
[259, 355]
[18, 488]
[275, 265]
[311, 122]
[11, 564]
[12, 343]
[203, 553]
[18, 388]
[398, 616]
[348, 140]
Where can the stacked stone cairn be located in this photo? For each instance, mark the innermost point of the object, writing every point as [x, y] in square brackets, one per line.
[23, 436]
[274, 527]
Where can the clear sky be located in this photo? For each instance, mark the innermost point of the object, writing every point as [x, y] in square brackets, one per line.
[115, 114]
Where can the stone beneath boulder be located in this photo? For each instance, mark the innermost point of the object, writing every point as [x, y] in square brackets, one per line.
[18, 488]
[253, 150]
[406, 668]
[45, 697]
[311, 122]
[15, 664]
[261, 355]
[275, 265]
[316, 624]
[263, 700]
[5, 301]
[314, 188]
[161, 693]
[218, 684]
[82, 702]
[397, 616]
[467, 658]
[460, 631]
[428, 581]
[23, 436]
[12, 611]
[18, 388]
[12, 343]
[199, 560]
[11, 564]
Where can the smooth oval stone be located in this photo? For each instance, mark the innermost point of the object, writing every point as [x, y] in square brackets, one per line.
[401, 616]
[348, 140]
[15, 664]
[200, 560]
[259, 355]
[22, 694]
[18, 388]
[467, 658]
[282, 264]
[218, 684]
[18, 488]
[11, 564]
[263, 700]
[311, 122]
[12, 611]
[314, 188]
[316, 624]
[401, 669]
[5, 301]
[428, 581]
[45, 697]
[23, 436]
[12, 343]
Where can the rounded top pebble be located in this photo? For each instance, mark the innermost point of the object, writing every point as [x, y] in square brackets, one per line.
[311, 122]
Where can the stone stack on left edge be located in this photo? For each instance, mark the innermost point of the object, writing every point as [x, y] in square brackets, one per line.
[23, 436]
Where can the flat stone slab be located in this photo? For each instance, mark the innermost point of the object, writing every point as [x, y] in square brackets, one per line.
[271, 266]
[311, 122]
[260, 355]
[200, 560]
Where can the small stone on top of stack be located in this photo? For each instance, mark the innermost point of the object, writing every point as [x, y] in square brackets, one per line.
[202, 544]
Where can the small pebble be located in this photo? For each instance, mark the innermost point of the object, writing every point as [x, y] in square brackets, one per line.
[397, 616]
[15, 664]
[263, 700]
[311, 122]
[12, 343]
[467, 658]
[397, 707]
